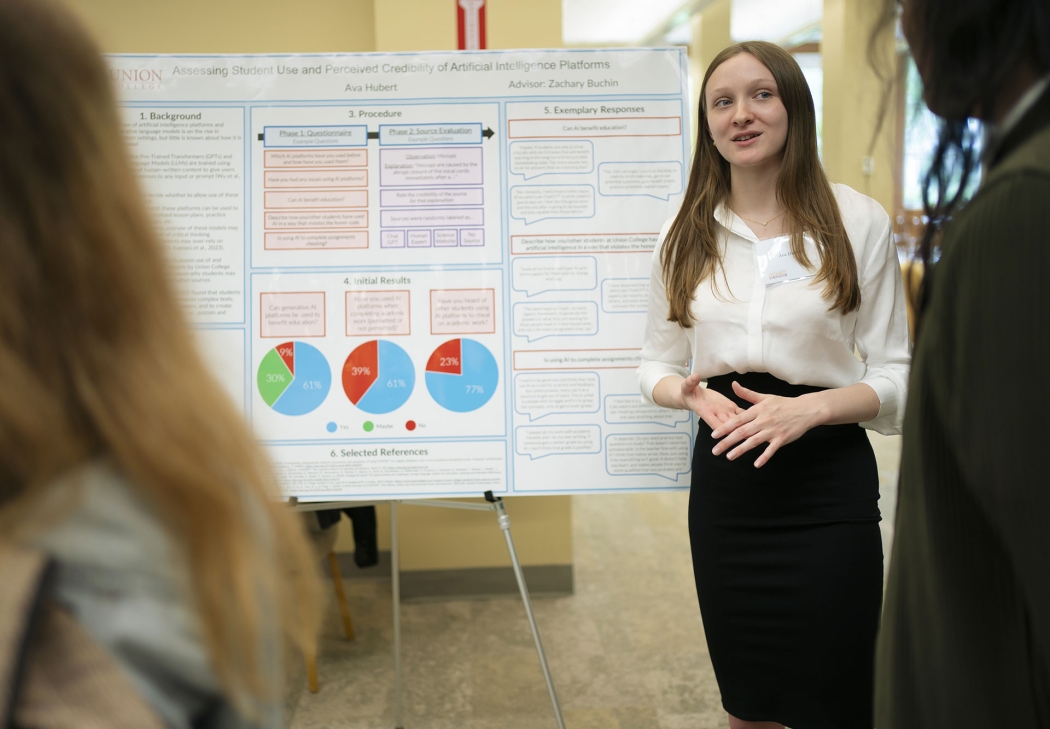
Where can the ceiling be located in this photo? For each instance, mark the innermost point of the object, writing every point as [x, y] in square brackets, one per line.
[773, 20]
[613, 22]
[631, 22]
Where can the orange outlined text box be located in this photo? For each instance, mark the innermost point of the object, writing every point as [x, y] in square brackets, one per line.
[629, 126]
[378, 313]
[315, 158]
[463, 311]
[315, 240]
[292, 314]
[326, 199]
[314, 219]
[577, 359]
[294, 178]
[573, 244]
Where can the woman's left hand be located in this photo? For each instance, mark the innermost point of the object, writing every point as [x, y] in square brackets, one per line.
[770, 419]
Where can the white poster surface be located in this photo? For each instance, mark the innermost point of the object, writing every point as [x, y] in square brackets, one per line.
[425, 273]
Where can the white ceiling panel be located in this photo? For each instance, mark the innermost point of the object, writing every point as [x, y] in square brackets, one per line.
[773, 20]
[615, 22]
[628, 22]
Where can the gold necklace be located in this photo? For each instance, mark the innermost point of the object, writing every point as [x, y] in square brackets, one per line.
[758, 222]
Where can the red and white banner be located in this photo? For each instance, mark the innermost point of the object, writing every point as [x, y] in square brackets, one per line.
[471, 20]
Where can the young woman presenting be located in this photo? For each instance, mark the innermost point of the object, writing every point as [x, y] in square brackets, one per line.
[784, 293]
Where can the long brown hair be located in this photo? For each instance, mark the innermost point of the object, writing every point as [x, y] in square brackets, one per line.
[692, 253]
[97, 361]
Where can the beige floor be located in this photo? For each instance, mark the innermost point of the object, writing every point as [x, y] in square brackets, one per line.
[626, 651]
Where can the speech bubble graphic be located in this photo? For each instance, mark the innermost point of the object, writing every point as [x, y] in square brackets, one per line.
[542, 394]
[535, 159]
[653, 179]
[621, 409]
[539, 441]
[625, 295]
[554, 273]
[555, 319]
[533, 203]
[666, 456]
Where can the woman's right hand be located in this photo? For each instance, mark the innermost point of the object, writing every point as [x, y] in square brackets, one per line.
[714, 408]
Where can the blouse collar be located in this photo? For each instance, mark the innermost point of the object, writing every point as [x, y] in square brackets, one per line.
[733, 223]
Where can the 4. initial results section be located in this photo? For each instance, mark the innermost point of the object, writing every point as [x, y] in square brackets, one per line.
[364, 356]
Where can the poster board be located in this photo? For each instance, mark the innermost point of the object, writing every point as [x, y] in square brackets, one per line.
[424, 274]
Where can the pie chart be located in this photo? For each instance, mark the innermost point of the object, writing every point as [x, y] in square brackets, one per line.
[378, 377]
[462, 375]
[294, 378]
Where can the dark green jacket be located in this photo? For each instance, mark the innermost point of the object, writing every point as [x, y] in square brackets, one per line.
[965, 638]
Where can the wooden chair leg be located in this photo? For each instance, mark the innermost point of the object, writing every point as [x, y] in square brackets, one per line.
[344, 609]
[311, 672]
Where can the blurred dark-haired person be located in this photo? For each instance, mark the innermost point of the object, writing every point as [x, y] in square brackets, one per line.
[965, 638]
[768, 281]
[147, 573]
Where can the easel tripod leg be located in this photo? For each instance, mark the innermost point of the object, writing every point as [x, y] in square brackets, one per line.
[395, 581]
[504, 524]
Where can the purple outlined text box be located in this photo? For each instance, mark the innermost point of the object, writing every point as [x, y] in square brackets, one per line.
[431, 197]
[417, 166]
[432, 218]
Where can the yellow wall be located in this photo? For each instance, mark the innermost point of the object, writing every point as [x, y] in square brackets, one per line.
[852, 93]
[433, 539]
[710, 36]
[231, 26]
[415, 25]
[711, 33]
[523, 23]
[430, 538]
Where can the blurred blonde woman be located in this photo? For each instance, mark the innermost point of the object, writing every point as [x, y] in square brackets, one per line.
[120, 457]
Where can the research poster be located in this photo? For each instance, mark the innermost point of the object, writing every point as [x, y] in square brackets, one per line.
[424, 274]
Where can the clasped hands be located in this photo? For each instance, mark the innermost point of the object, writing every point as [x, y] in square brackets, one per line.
[770, 419]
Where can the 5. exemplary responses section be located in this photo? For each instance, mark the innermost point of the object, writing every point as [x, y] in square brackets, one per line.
[590, 185]
[191, 163]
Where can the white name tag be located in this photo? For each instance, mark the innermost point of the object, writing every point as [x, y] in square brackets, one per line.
[777, 264]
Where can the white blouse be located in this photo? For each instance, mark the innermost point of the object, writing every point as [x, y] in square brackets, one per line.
[786, 329]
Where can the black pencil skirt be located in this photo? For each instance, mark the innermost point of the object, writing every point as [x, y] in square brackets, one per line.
[788, 567]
